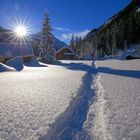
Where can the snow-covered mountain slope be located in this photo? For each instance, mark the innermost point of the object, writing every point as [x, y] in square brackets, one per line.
[6, 36]
[120, 30]
[116, 113]
[57, 43]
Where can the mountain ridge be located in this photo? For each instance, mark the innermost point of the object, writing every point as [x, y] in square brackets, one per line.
[58, 44]
[115, 34]
[6, 36]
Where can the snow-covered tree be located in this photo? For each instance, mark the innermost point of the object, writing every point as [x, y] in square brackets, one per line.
[78, 43]
[72, 43]
[47, 51]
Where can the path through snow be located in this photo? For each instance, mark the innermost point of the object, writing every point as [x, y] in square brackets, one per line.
[50, 103]
[31, 101]
[69, 124]
[117, 106]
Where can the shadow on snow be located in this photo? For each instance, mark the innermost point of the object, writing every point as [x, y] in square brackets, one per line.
[126, 73]
[86, 68]
[76, 66]
[69, 125]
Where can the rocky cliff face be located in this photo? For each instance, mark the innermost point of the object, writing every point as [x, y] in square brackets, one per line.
[116, 34]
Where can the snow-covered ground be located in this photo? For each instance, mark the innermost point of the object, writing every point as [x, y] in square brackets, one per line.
[115, 114]
[16, 63]
[32, 100]
[71, 101]
[4, 68]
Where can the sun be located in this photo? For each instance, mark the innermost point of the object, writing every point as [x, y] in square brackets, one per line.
[21, 31]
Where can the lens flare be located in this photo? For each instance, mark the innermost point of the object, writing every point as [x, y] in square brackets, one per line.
[21, 31]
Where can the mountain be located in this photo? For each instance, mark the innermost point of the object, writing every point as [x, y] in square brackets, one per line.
[7, 36]
[36, 43]
[115, 34]
[57, 43]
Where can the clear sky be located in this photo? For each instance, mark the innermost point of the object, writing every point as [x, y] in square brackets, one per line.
[67, 16]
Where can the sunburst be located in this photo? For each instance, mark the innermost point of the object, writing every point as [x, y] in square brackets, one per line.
[21, 31]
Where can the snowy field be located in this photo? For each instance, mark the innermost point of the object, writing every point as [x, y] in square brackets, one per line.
[32, 100]
[71, 101]
[117, 106]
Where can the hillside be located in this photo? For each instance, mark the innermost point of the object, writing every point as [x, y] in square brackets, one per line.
[115, 34]
[7, 36]
[36, 40]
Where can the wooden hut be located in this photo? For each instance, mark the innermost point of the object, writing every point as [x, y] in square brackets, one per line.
[65, 54]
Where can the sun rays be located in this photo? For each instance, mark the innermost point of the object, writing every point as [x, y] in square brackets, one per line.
[20, 31]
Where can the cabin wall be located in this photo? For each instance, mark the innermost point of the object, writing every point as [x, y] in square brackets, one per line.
[27, 59]
[69, 57]
[60, 55]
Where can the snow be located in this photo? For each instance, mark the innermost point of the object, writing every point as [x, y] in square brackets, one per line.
[4, 68]
[16, 63]
[133, 51]
[34, 63]
[34, 99]
[115, 115]
[138, 10]
[69, 124]
[71, 100]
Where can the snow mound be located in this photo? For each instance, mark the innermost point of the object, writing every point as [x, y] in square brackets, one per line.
[133, 51]
[35, 63]
[4, 68]
[16, 63]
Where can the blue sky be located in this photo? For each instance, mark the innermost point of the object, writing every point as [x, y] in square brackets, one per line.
[67, 16]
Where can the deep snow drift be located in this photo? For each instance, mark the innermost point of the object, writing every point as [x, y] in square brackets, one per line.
[116, 113]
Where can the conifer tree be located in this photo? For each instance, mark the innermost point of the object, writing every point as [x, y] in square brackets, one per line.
[47, 51]
[72, 43]
[78, 45]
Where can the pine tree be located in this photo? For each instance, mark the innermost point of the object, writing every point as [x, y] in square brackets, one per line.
[79, 46]
[47, 51]
[76, 45]
[72, 43]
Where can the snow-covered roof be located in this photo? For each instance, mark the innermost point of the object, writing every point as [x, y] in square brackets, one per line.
[17, 49]
[65, 48]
